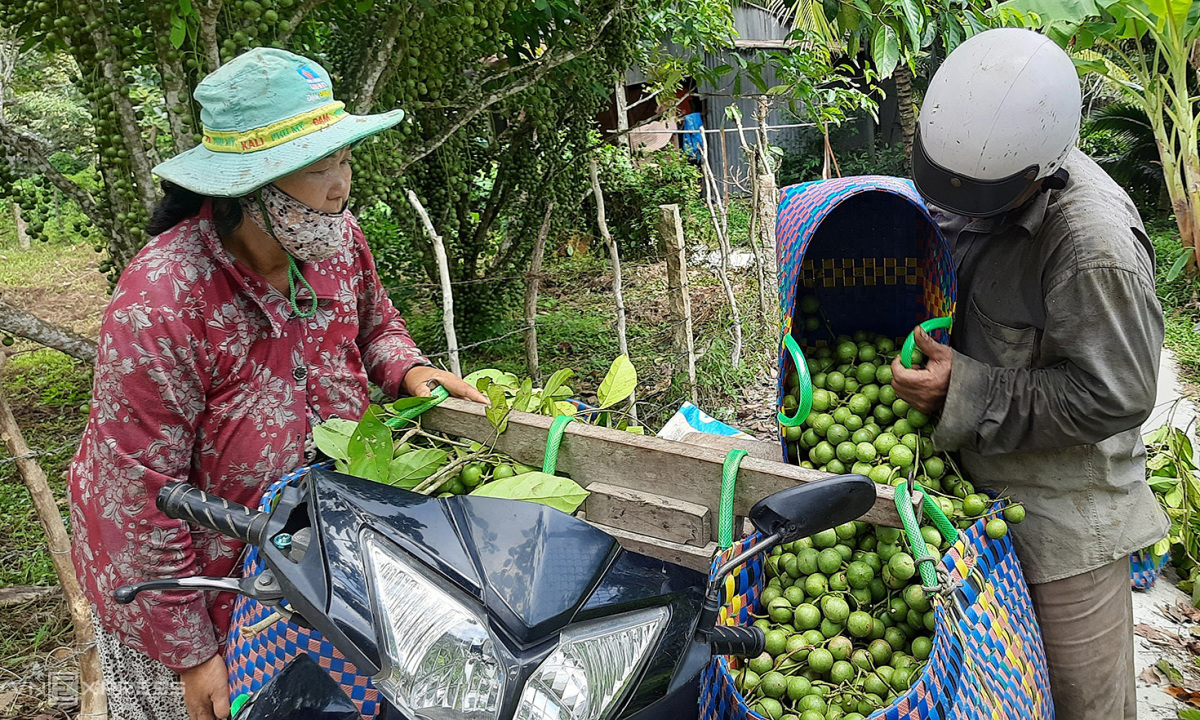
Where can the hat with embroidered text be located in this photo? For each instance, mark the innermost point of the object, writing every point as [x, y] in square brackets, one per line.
[266, 114]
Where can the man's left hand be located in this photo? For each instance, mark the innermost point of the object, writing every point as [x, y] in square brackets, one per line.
[416, 383]
[924, 388]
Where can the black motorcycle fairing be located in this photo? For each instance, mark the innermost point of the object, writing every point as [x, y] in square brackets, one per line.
[539, 565]
[302, 690]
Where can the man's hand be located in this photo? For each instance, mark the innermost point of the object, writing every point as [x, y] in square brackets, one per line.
[206, 690]
[925, 389]
[416, 379]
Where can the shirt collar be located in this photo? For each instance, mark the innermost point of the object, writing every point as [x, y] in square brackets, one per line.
[266, 297]
[1029, 217]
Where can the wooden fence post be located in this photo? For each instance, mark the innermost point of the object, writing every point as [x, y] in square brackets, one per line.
[532, 285]
[670, 226]
[22, 233]
[622, 343]
[439, 250]
[93, 701]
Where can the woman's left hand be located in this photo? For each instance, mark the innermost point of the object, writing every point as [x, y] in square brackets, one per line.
[416, 384]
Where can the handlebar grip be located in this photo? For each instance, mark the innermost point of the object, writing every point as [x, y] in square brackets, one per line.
[181, 501]
[743, 641]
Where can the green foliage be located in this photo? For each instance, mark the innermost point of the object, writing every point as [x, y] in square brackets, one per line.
[634, 187]
[1180, 298]
[1120, 139]
[1171, 472]
[802, 163]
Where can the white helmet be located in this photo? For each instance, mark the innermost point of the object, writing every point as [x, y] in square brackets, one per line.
[1001, 113]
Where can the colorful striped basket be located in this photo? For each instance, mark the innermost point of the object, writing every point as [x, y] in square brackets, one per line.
[1145, 567]
[868, 250]
[987, 660]
[254, 660]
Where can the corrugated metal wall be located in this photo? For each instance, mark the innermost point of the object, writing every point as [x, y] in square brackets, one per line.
[753, 24]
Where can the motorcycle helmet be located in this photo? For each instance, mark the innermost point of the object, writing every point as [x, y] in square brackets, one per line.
[1001, 113]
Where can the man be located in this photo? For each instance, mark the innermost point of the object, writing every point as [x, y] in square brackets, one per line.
[1055, 347]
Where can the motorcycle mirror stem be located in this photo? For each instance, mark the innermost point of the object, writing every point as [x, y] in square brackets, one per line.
[787, 516]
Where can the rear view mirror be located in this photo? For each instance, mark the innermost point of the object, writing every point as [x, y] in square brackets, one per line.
[810, 508]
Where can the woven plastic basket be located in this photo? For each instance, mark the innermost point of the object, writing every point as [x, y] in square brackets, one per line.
[987, 660]
[868, 250]
[1144, 568]
[255, 659]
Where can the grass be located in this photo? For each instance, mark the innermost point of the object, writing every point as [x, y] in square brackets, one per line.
[1180, 299]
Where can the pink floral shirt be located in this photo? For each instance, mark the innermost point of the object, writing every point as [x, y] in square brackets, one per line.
[204, 375]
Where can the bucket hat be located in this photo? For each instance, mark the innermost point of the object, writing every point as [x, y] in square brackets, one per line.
[266, 114]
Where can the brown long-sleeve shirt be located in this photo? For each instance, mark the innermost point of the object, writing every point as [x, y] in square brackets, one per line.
[1057, 341]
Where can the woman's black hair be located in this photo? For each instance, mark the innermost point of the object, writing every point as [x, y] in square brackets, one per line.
[179, 203]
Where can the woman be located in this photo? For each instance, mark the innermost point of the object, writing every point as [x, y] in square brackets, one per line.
[255, 313]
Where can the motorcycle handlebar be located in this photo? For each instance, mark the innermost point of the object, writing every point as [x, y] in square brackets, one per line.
[181, 501]
[745, 641]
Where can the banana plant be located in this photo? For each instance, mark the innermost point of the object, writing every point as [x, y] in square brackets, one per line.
[1149, 49]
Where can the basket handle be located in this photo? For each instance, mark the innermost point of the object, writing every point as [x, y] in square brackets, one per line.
[806, 390]
[912, 530]
[906, 350]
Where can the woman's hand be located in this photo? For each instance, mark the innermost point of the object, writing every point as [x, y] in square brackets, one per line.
[206, 690]
[416, 379]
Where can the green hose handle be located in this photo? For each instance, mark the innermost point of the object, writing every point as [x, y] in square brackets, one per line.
[906, 351]
[912, 530]
[729, 471]
[806, 389]
[407, 415]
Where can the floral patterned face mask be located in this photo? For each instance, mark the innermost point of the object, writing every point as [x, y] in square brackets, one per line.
[306, 234]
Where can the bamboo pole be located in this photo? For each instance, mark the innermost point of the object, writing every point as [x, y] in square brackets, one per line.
[92, 698]
[622, 343]
[531, 295]
[671, 227]
[439, 250]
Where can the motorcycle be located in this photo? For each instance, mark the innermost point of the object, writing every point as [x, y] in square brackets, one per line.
[481, 608]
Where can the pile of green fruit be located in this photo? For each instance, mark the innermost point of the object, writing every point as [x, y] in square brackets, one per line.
[848, 625]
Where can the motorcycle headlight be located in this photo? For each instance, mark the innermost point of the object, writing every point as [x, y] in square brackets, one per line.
[438, 658]
[591, 668]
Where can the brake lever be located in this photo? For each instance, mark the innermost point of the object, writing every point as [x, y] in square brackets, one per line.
[261, 587]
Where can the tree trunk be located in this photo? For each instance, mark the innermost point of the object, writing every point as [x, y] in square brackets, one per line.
[670, 226]
[721, 226]
[22, 233]
[532, 286]
[20, 323]
[622, 102]
[906, 108]
[622, 342]
[93, 702]
[439, 250]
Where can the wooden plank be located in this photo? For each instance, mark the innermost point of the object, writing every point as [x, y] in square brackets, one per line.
[589, 454]
[685, 555]
[655, 515]
[21, 594]
[757, 448]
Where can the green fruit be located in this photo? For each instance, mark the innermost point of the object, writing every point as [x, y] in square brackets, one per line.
[776, 642]
[806, 617]
[865, 452]
[885, 442]
[883, 414]
[806, 562]
[789, 565]
[887, 395]
[835, 381]
[878, 590]
[1014, 514]
[503, 471]
[820, 660]
[916, 418]
[814, 702]
[900, 679]
[847, 452]
[812, 715]
[922, 647]
[773, 684]
[862, 597]
[769, 594]
[829, 561]
[825, 539]
[861, 468]
[897, 609]
[837, 434]
[866, 373]
[880, 651]
[835, 467]
[859, 404]
[996, 528]
[816, 585]
[901, 456]
[835, 609]
[841, 672]
[861, 659]
[930, 621]
[881, 474]
[931, 536]
[829, 629]
[859, 574]
[876, 685]
[902, 566]
[974, 505]
[814, 637]
[769, 708]
[886, 551]
[809, 305]
[915, 598]
[935, 468]
[840, 647]
[748, 681]
[761, 664]
[847, 351]
[780, 610]
[895, 638]
[797, 688]
[794, 595]
[859, 624]
[837, 582]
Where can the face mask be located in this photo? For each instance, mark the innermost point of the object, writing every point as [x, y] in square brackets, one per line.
[306, 234]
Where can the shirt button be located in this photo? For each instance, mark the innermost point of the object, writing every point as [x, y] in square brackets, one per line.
[300, 373]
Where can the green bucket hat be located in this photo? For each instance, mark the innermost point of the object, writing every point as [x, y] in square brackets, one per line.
[266, 114]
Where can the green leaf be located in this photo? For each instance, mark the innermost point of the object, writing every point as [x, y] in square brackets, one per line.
[1180, 262]
[564, 408]
[370, 447]
[333, 436]
[556, 382]
[1174, 498]
[497, 412]
[185, 7]
[497, 376]
[914, 21]
[618, 384]
[1169, 670]
[885, 50]
[405, 403]
[1162, 547]
[557, 492]
[524, 395]
[178, 35]
[409, 469]
[1189, 714]
[1164, 485]
[635, 429]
